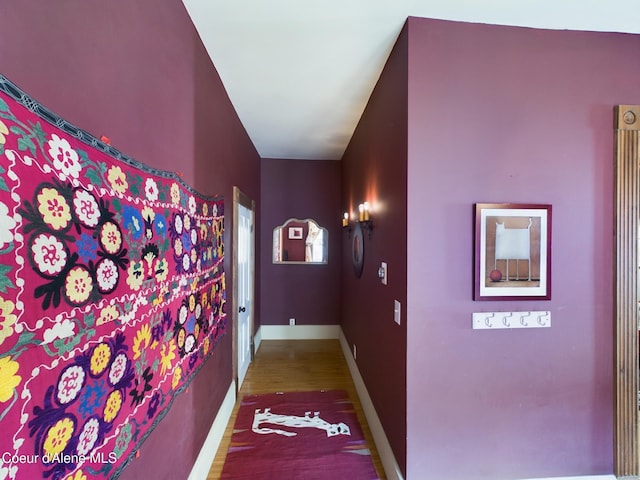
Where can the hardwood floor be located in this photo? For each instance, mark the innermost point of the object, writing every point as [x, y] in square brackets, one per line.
[296, 365]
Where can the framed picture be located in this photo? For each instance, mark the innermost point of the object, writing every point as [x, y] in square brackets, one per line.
[512, 252]
[295, 233]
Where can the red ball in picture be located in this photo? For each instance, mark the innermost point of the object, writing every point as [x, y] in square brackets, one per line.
[495, 275]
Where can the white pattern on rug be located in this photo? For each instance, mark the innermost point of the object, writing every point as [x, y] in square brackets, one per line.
[293, 421]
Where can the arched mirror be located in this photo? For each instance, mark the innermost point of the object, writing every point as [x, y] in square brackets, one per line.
[300, 241]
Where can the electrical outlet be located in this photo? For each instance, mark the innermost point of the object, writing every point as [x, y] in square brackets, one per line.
[397, 310]
[292, 321]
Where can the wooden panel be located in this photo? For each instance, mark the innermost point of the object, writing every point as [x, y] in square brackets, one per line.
[627, 124]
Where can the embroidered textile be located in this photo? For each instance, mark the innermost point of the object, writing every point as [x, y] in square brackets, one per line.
[112, 295]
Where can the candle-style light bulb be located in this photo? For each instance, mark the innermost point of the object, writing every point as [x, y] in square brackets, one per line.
[366, 211]
[345, 219]
[361, 212]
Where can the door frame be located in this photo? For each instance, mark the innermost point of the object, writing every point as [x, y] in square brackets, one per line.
[626, 268]
[239, 198]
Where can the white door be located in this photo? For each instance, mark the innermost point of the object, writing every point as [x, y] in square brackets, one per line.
[245, 289]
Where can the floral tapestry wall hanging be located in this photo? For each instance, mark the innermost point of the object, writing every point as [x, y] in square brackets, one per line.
[112, 295]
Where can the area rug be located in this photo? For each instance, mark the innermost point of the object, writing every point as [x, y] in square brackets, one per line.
[298, 435]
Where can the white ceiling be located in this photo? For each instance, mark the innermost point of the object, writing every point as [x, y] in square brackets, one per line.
[299, 73]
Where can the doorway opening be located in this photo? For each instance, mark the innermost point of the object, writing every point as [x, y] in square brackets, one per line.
[243, 284]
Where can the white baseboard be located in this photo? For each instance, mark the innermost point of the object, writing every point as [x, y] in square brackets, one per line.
[299, 332]
[588, 477]
[200, 469]
[257, 339]
[389, 463]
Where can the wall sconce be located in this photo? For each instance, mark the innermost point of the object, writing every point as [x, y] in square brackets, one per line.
[346, 225]
[364, 219]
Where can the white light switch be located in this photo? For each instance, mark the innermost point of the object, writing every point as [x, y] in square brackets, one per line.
[397, 310]
[382, 273]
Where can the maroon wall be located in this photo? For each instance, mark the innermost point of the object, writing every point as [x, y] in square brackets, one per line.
[309, 293]
[374, 169]
[138, 73]
[504, 114]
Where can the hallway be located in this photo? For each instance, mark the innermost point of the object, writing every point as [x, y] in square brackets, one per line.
[296, 365]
